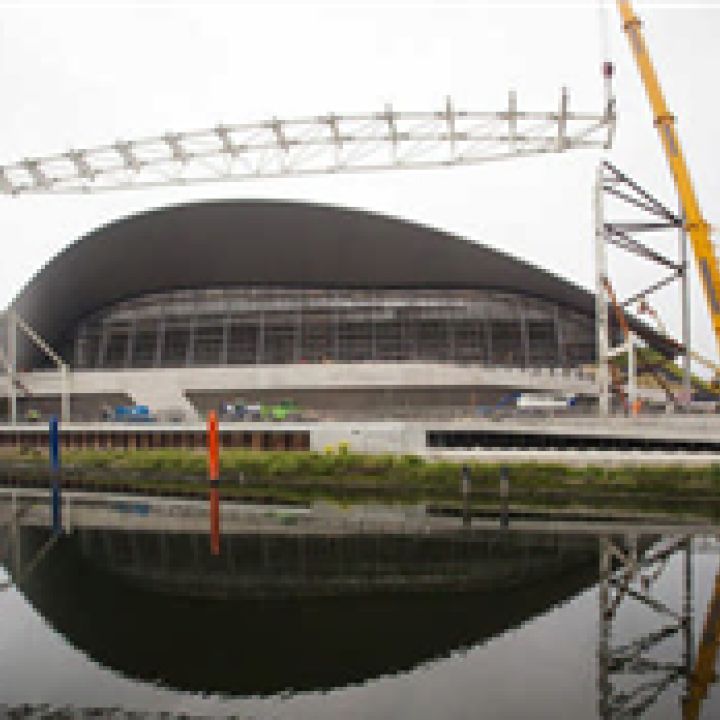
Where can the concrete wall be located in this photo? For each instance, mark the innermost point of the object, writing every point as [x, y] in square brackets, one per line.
[165, 390]
[672, 440]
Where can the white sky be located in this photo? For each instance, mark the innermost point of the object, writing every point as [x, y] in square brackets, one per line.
[74, 75]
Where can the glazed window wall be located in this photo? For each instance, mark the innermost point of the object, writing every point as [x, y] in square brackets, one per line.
[249, 326]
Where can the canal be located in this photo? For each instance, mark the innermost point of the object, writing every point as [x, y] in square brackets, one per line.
[373, 613]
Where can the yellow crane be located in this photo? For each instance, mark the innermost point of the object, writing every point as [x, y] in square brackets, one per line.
[703, 674]
[697, 227]
[699, 232]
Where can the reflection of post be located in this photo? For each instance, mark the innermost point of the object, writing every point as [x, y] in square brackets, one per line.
[6, 530]
[604, 630]
[504, 495]
[214, 472]
[55, 471]
[67, 514]
[627, 570]
[465, 484]
[688, 612]
[16, 540]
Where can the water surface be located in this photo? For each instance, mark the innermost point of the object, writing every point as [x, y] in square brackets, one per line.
[536, 621]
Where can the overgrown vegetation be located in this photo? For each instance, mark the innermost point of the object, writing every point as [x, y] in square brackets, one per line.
[346, 477]
[346, 466]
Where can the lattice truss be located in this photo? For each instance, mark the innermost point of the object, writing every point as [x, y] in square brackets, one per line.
[626, 234]
[315, 145]
[633, 675]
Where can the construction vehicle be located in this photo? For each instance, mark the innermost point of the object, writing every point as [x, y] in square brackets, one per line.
[508, 400]
[285, 410]
[545, 401]
[132, 413]
[33, 415]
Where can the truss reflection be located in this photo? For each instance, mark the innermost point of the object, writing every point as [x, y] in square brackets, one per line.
[632, 677]
[635, 674]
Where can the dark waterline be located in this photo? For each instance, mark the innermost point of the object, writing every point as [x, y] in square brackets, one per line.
[489, 623]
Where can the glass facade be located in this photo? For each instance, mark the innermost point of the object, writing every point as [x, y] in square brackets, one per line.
[257, 326]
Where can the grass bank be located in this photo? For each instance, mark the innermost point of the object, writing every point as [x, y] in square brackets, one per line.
[347, 477]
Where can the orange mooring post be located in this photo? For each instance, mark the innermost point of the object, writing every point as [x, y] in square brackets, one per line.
[213, 444]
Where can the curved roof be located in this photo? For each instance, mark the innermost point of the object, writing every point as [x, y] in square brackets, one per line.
[240, 242]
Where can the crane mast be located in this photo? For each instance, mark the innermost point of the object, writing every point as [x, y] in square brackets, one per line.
[697, 227]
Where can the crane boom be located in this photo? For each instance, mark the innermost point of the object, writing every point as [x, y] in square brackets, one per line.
[703, 675]
[697, 227]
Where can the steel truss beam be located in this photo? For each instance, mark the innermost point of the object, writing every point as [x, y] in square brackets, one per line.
[631, 678]
[325, 144]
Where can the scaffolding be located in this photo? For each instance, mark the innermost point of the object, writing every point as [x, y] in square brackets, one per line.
[256, 326]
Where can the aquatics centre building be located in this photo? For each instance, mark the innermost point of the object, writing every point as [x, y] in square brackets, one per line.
[347, 313]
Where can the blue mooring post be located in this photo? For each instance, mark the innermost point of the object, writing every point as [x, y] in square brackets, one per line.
[55, 472]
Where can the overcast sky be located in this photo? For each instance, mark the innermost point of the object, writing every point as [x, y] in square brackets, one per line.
[78, 74]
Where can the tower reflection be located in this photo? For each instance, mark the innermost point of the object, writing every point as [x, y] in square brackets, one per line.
[635, 673]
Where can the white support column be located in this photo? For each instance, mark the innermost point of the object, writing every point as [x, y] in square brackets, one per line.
[562, 142]
[513, 120]
[450, 122]
[632, 375]
[601, 301]
[685, 305]
[12, 364]
[64, 393]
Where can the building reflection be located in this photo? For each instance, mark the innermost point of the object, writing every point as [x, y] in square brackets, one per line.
[288, 611]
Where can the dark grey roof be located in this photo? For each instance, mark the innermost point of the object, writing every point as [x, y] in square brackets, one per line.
[240, 242]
